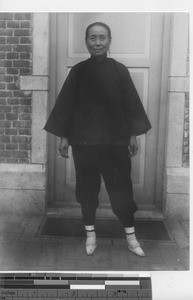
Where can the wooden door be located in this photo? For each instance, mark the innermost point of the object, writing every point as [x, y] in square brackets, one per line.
[137, 42]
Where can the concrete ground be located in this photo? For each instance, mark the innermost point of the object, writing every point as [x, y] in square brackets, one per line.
[21, 250]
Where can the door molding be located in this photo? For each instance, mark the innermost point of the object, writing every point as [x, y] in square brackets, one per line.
[163, 117]
[55, 83]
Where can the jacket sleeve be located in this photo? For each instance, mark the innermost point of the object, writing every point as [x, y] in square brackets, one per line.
[59, 119]
[137, 120]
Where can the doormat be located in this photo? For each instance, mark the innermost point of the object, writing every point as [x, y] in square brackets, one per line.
[71, 227]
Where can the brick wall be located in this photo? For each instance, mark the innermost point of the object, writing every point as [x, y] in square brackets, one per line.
[15, 105]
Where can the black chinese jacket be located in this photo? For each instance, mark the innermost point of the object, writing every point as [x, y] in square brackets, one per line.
[97, 105]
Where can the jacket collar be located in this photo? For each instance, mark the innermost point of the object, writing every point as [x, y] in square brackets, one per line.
[93, 58]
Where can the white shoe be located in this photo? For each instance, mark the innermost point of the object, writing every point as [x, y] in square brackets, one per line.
[91, 242]
[133, 245]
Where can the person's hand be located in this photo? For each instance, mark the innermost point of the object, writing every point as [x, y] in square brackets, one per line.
[63, 147]
[133, 147]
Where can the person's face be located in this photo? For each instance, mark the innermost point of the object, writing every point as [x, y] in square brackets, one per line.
[98, 41]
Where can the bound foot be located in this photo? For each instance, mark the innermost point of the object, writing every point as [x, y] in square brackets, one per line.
[90, 241]
[133, 244]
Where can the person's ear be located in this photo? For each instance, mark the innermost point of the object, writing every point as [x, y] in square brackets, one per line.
[86, 42]
[110, 42]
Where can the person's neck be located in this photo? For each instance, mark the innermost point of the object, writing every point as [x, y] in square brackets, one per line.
[99, 58]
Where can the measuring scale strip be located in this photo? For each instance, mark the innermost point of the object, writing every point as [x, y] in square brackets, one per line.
[61, 294]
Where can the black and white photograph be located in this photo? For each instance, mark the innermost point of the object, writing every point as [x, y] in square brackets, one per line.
[94, 141]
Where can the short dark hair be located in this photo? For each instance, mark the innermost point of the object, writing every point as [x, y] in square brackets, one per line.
[98, 24]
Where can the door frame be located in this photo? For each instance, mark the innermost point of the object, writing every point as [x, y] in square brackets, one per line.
[165, 59]
[163, 116]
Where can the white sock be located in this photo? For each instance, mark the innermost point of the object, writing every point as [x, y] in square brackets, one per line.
[89, 227]
[131, 238]
[130, 229]
[90, 233]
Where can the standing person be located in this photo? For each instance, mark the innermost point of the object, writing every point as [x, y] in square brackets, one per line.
[98, 112]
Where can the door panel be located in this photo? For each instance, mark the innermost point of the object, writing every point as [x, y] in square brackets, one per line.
[137, 43]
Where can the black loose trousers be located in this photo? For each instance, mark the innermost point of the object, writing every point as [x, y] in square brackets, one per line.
[114, 165]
